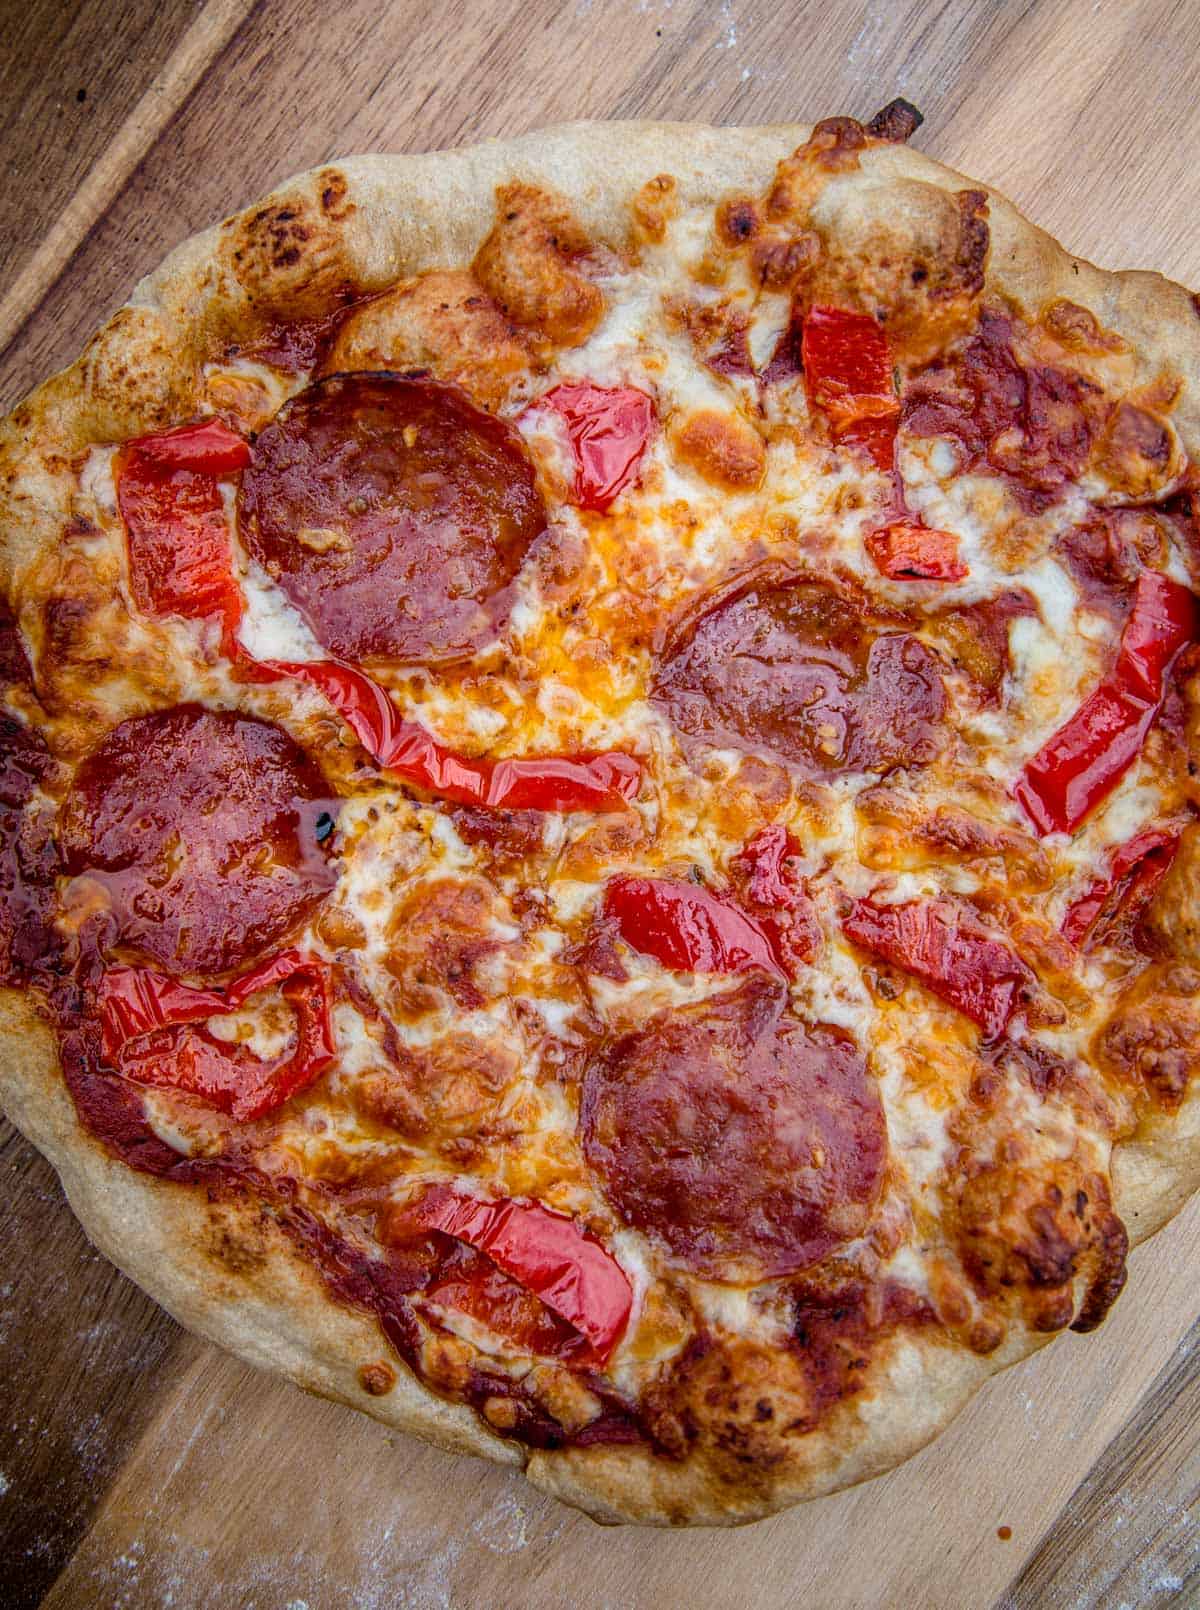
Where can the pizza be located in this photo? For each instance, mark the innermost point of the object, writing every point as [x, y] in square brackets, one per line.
[600, 744]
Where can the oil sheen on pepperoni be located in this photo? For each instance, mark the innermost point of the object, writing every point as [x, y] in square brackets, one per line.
[795, 671]
[395, 515]
[748, 1141]
[201, 829]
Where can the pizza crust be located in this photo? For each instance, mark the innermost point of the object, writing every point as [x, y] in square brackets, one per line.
[229, 1273]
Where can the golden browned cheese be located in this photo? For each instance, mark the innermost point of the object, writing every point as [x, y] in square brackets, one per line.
[782, 258]
[653, 207]
[1173, 915]
[901, 832]
[1027, 1229]
[724, 449]
[607, 842]
[735, 1397]
[1150, 1040]
[443, 322]
[444, 1096]
[440, 942]
[929, 282]
[1138, 453]
[93, 665]
[718, 330]
[1077, 329]
[924, 276]
[532, 264]
[834, 146]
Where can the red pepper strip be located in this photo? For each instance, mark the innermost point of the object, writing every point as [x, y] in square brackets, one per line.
[763, 867]
[136, 1000]
[208, 447]
[544, 783]
[168, 492]
[905, 550]
[184, 565]
[951, 955]
[547, 1253]
[1083, 761]
[1163, 620]
[848, 368]
[686, 928]
[1135, 870]
[608, 429]
[470, 1282]
[848, 371]
[145, 1018]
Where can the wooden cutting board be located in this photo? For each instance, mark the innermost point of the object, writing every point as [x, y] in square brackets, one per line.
[139, 1467]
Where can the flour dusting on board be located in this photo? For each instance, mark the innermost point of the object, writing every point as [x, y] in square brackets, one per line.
[505, 1528]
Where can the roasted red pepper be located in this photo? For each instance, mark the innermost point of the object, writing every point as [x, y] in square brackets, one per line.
[469, 1282]
[1135, 870]
[948, 951]
[181, 562]
[765, 875]
[544, 783]
[545, 1252]
[1086, 758]
[906, 550]
[146, 1020]
[848, 369]
[169, 495]
[686, 928]
[608, 429]
[848, 372]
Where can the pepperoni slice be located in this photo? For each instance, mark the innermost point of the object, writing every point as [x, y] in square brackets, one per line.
[394, 514]
[748, 1141]
[793, 670]
[203, 830]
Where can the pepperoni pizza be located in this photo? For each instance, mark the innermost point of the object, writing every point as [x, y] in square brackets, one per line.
[599, 740]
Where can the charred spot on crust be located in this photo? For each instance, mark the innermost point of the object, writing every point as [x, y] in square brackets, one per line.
[334, 192]
[235, 1242]
[898, 121]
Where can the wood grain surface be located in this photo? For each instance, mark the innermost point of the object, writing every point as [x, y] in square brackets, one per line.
[139, 1467]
